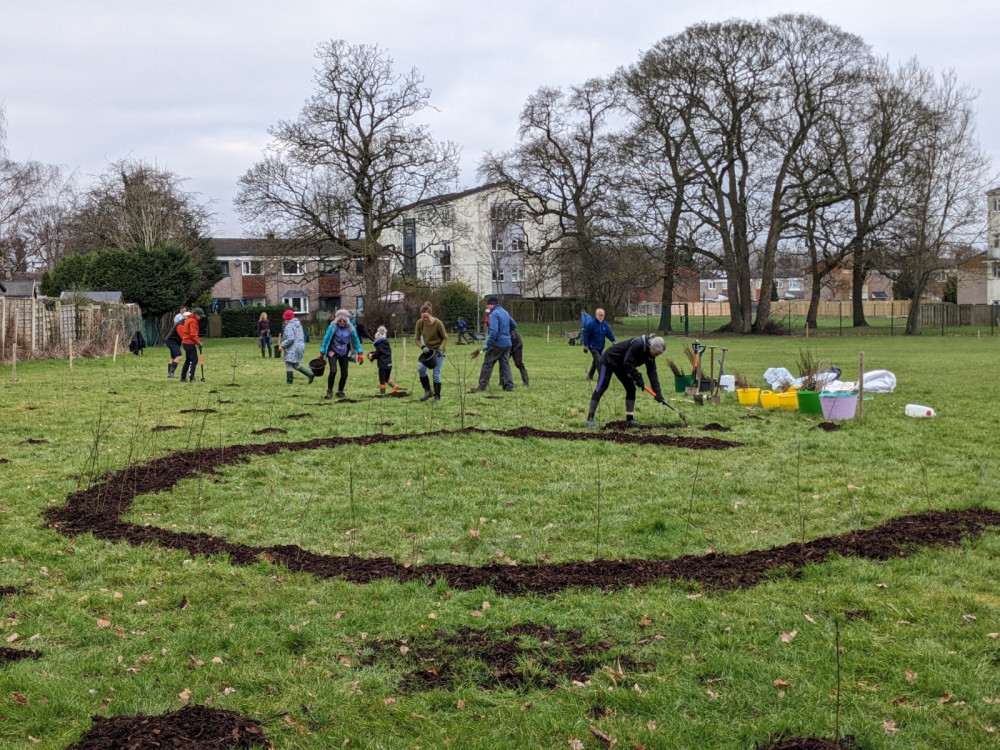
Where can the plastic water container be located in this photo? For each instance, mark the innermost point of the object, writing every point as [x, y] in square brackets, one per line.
[727, 383]
[918, 411]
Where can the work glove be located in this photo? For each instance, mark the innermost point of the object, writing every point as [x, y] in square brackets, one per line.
[371, 356]
[639, 383]
[586, 350]
[199, 348]
[659, 398]
[361, 358]
[425, 350]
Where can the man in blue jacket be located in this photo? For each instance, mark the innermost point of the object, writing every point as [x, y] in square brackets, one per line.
[594, 334]
[497, 346]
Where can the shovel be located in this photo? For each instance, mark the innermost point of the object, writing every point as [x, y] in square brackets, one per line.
[714, 397]
[680, 414]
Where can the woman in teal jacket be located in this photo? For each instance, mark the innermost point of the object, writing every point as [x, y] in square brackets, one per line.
[340, 339]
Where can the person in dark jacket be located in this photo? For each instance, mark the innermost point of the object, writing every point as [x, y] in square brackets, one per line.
[497, 347]
[517, 353]
[383, 357]
[173, 342]
[594, 334]
[264, 335]
[623, 361]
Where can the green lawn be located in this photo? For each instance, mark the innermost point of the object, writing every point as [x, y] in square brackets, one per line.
[124, 630]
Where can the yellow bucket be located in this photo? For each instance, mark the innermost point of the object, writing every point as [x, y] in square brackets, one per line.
[789, 401]
[747, 396]
[769, 399]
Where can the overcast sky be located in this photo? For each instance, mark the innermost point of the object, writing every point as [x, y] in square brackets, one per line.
[193, 86]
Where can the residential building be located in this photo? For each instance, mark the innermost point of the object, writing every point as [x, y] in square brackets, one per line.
[979, 277]
[838, 286]
[482, 237]
[255, 273]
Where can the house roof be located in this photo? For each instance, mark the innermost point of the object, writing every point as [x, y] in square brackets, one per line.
[256, 247]
[95, 296]
[20, 288]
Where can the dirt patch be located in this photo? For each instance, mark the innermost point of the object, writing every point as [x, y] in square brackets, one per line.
[847, 742]
[9, 591]
[715, 427]
[34, 441]
[233, 385]
[4, 460]
[191, 728]
[623, 424]
[98, 510]
[752, 416]
[165, 428]
[198, 411]
[522, 657]
[224, 401]
[827, 426]
[298, 416]
[8, 655]
[269, 431]
[347, 401]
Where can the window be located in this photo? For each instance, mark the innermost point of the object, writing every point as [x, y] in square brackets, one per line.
[518, 245]
[497, 274]
[253, 268]
[254, 301]
[996, 239]
[996, 204]
[224, 267]
[298, 304]
[498, 246]
[329, 304]
[506, 213]
[444, 254]
[757, 284]
[794, 285]
[329, 267]
[725, 286]
[517, 275]
[293, 268]
[711, 286]
[359, 305]
[445, 274]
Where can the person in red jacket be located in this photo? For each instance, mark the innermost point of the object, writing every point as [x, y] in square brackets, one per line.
[191, 341]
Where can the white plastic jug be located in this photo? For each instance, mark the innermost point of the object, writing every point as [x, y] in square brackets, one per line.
[916, 410]
[727, 383]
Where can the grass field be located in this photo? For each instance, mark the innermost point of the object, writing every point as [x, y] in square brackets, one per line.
[326, 663]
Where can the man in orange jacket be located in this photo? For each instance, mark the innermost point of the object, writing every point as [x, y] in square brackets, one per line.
[191, 341]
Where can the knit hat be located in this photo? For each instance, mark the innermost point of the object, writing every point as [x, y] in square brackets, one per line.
[492, 300]
[342, 314]
[199, 312]
[288, 315]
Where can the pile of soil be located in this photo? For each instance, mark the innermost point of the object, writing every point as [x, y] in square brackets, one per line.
[98, 510]
[847, 742]
[191, 728]
[8, 655]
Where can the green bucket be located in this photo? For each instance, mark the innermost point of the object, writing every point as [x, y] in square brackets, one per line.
[681, 382]
[809, 402]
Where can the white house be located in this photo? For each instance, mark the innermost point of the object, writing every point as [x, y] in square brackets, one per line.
[482, 237]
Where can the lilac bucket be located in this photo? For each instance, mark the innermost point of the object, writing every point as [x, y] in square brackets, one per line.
[838, 405]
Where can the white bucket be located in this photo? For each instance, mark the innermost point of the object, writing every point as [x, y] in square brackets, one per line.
[727, 383]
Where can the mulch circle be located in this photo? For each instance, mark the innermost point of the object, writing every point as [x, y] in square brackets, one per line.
[847, 742]
[191, 728]
[269, 430]
[715, 427]
[224, 401]
[8, 655]
[99, 508]
[346, 401]
[165, 427]
[298, 416]
[521, 657]
[233, 385]
[33, 441]
[198, 411]
[827, 426]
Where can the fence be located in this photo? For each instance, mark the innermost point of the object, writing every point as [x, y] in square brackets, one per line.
[43, 327]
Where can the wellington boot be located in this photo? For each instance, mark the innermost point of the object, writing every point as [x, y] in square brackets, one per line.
[426, 383]
[395, 387]
[289, 378]
[171, 369]
[270, 352]
[437, 391]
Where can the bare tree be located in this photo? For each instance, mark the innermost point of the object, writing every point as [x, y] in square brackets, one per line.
[351, 164]
[30, 193]
[944, 176]
[562, 172]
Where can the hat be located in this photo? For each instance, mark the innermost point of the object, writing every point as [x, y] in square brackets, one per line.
[492, 300]
[199, 312]
[186, 314]
[287, 315]
[342, 314]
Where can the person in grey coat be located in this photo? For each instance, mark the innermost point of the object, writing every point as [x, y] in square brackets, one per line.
[294, 346]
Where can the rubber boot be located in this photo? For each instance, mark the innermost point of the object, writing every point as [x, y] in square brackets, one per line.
[381, 389]
[262, 351]
[437, 391]
[171, 369]
[307, 372]
[394, 386]
[426, 383]
[270, 351]
[289, 377]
